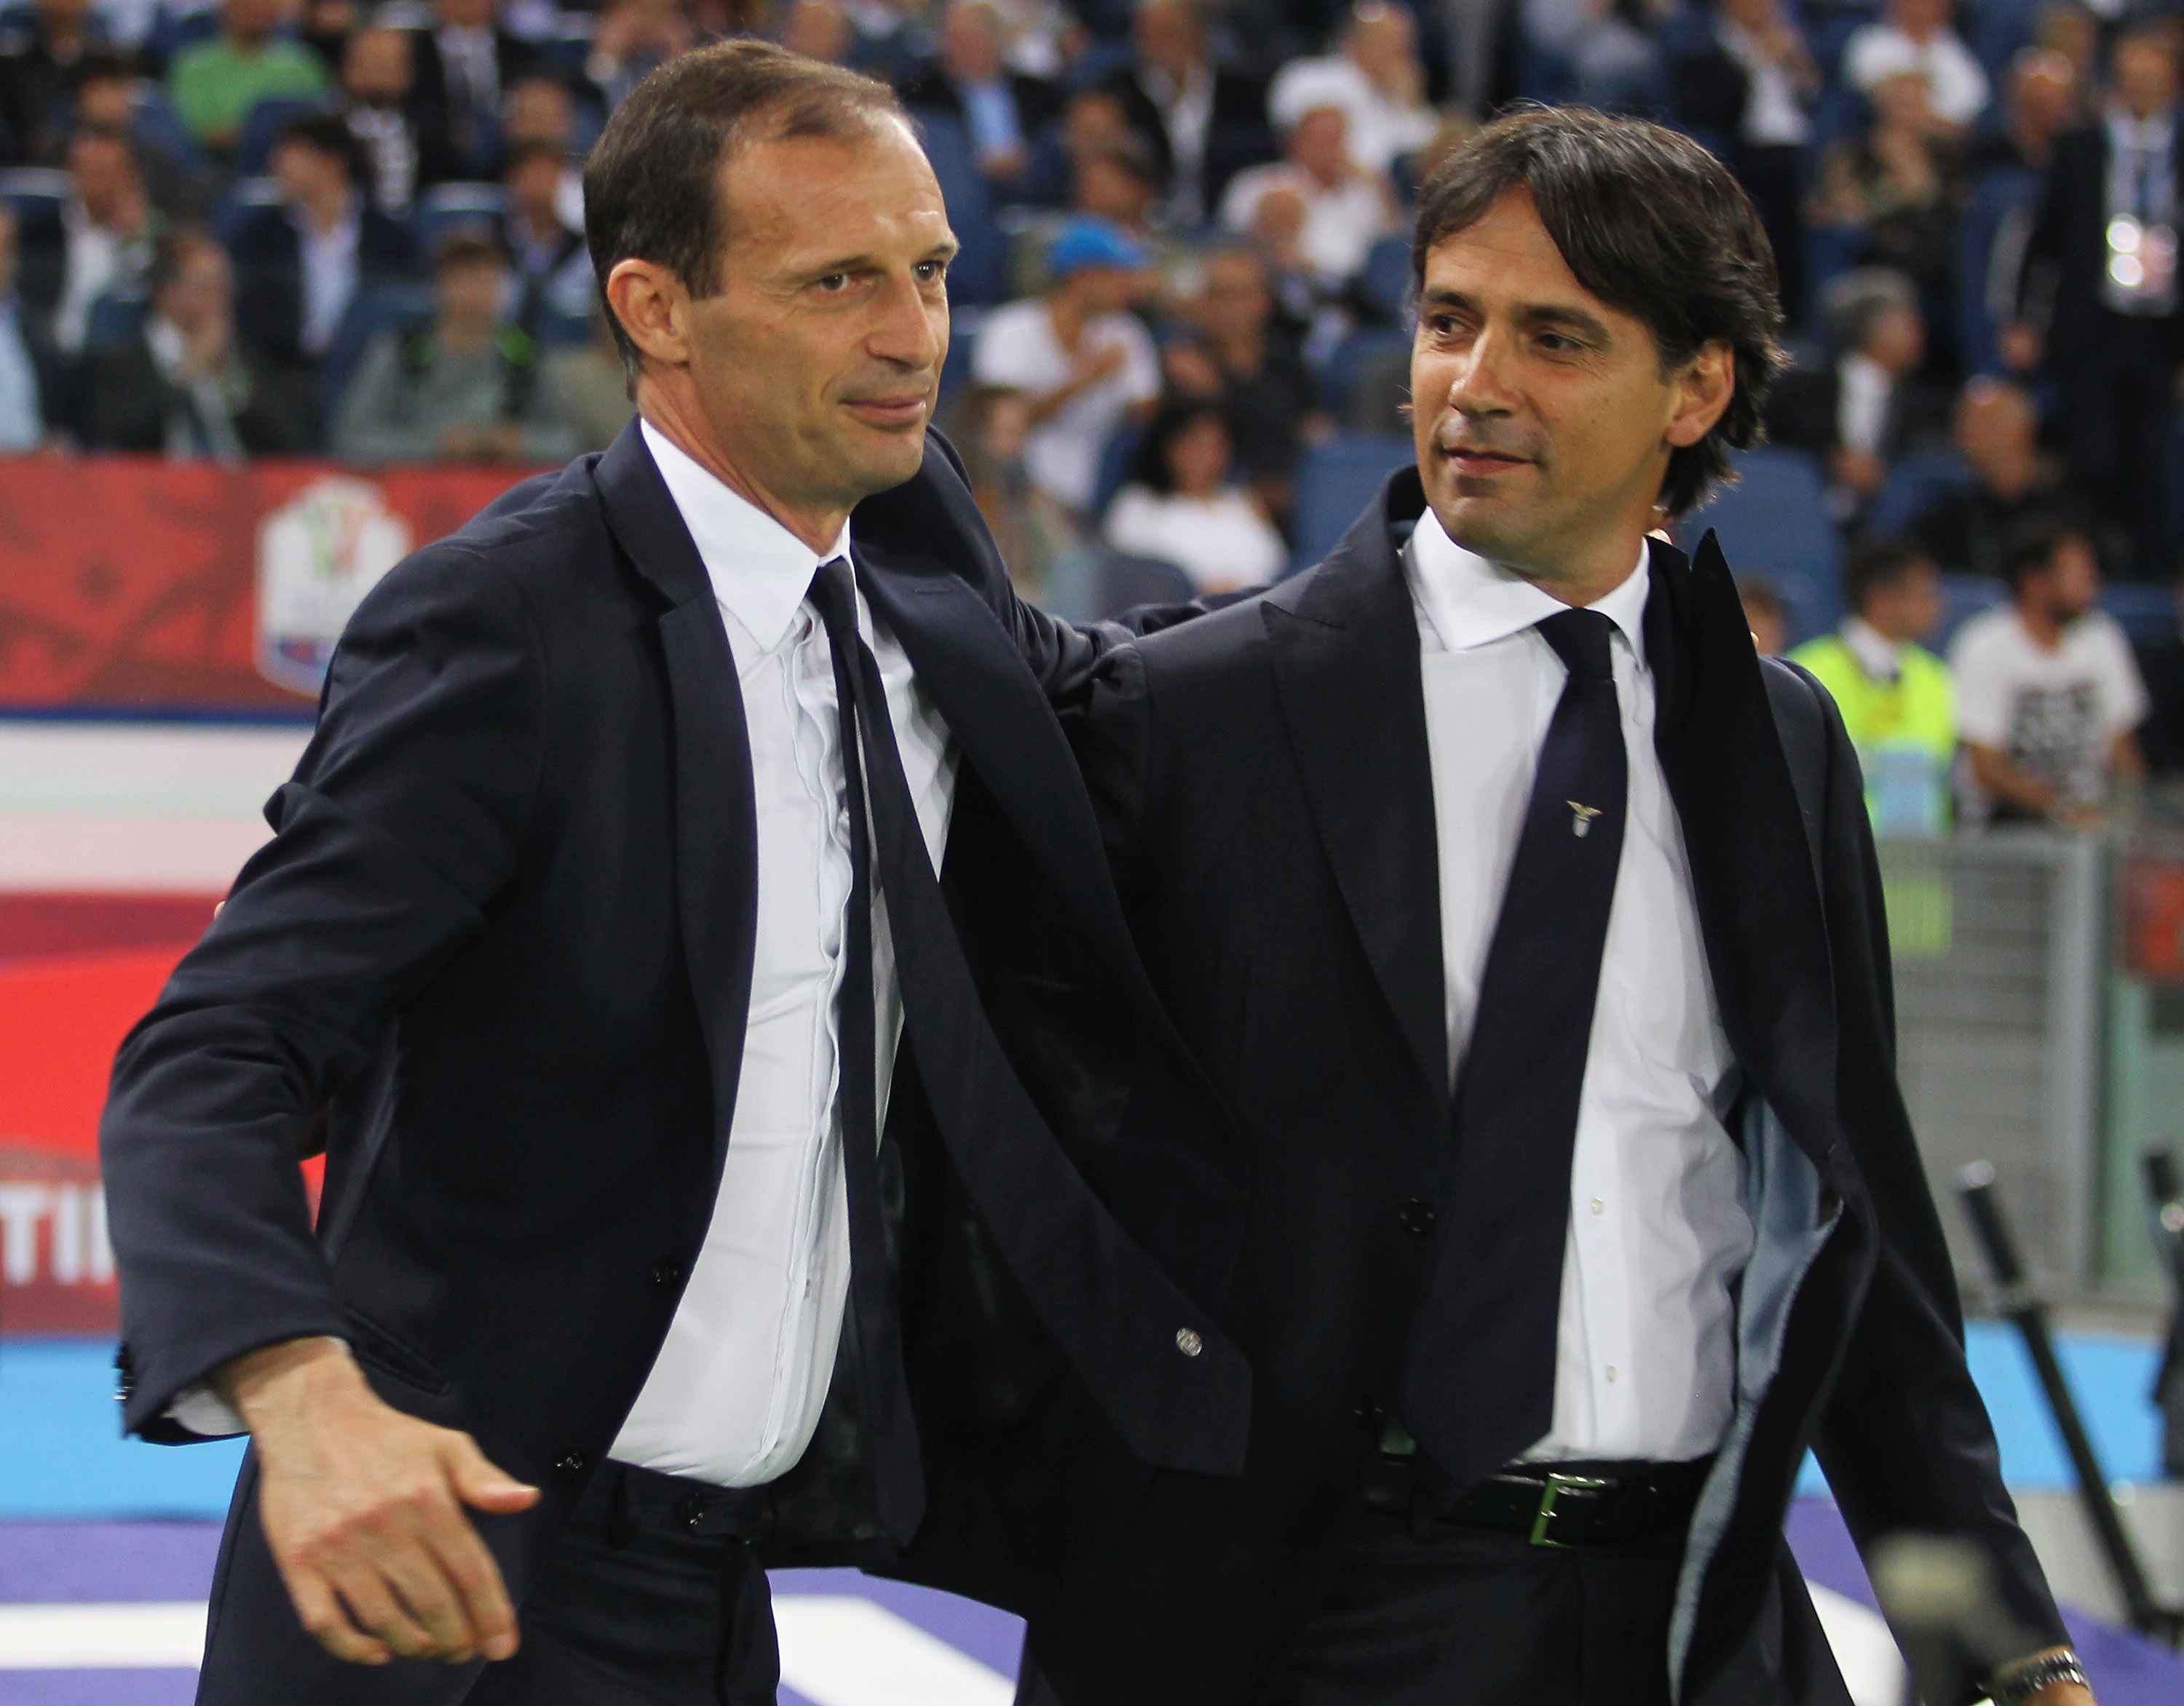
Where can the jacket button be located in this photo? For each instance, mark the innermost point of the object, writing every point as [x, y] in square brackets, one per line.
[1416, 1215]
[571, 1464]
[666, 1275]
[690, 1511]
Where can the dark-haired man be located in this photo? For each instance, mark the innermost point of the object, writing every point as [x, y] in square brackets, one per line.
[638, 1255]
[1525, 919]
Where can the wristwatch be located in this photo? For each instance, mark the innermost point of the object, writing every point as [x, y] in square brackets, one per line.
[2020, 1683]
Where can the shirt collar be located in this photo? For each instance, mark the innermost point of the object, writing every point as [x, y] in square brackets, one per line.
[759, 570]
[1879, 656]
[1471, 602]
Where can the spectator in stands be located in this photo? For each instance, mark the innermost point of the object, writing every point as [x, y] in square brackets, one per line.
[106, 100]
[2161, 667]
[887, 38]
[1083, 362]
[593, 387]
[1182, 504]
[1763, 613]
[2039, 107]
[377, 75]
[817, 29]
[1891, 185]
[1120, 184]
[2067, 28]
[465, 388]
[1252, 364]
[215, 83]
[2047, 692]
[1375, 77]
[22, 409]
[2102, 253]
[1608, 49]
[1346, 207]
[299, 265]
[461, 66]
[2002, 176]
[1997, 433]
[41, 53]
[1867, 407]
[1917, 38]
[1897, 700]
[554, 285]
[1002, 112]
[180, 386]
[539, 108]
[100, 240]
[1207, 121]
[1037, 538]
[1747, 91]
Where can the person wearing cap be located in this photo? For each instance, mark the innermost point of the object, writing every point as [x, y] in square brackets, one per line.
[1086, 363]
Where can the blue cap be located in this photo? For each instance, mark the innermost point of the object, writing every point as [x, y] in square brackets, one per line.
[1084, 244]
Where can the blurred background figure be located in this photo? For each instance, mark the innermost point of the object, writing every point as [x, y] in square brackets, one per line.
[1377, 81]
[1890, 192]
[43, 51]
[215, 83]
[1915, 38]
[1897, 700]
[467, 388]
[556, 297]
[2161, 669]
[22, 406]
[1183, 505]
[1208, 120]
[593, 387]
[461, 65]
[2048, 692]
[1762, 610]
[1003, 111]
[1346, 208]
[817, 29]
[1964, 528]
[98, 239]
[377, 80]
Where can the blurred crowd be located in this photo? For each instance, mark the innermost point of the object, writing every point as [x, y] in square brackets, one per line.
[232, 228]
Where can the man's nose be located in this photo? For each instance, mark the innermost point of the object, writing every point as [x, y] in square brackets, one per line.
[909, 332]
[1481, 383]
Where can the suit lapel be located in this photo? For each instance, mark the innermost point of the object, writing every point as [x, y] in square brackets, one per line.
[1751, 869]
[716, 810]
[1344, 644]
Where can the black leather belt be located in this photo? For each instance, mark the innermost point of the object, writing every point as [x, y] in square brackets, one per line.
[1553, 1504]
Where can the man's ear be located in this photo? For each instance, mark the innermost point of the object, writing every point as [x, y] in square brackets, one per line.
[1701, 394]
[653, 306]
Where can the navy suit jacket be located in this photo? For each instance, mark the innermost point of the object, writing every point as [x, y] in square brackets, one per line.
[499, 951]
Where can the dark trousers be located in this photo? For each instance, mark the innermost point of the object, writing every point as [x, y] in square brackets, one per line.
[652, 1597]
[2118, 411]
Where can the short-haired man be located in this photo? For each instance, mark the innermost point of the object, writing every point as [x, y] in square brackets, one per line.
[571, 942]
[1898, 699]
[1525, 919]
[2048, 692]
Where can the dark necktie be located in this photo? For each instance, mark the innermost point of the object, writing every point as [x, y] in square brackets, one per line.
[1479, 1385]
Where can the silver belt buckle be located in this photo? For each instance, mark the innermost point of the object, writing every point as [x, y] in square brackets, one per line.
[1558, 1485]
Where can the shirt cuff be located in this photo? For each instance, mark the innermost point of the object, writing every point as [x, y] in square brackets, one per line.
[203, 1411]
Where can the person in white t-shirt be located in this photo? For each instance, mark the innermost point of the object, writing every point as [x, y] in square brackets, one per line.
[2048, 692]
[1346, 208]
[1085, 363]
[1377, 81]
[1182, 507]
[1917, 37]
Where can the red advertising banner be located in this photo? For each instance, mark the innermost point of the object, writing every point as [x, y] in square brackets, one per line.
[133, 582]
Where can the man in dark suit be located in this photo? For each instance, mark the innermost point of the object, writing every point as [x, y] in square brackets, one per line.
[1528, 920]
[1204, 121]
[1005, 114]
[567, 945]
[2100, 284]
[463, 66]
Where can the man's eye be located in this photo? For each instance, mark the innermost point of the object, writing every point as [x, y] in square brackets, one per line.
[834, 283]
[929, 271]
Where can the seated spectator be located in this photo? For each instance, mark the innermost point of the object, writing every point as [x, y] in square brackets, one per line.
[1898, 702]
[1121, 185]
[22, 409]
[465, 388]
[539, 110]
[1037, 538]
[1607, 48]
[2047, 692]
[819, 29]
[177, 185]
[1252, 364]
[1892, 185]
[1867, 407]
[1997, 433]
[377, 74]
[2039, 104]
[300, 264]
[593, 387]
[215, 83]
[1346, 208]
[1377, 80]
[1206, 122]
[1181, 506]
[1763, 614]
[1083, 362]
[554, 285]
[1916, 37]
[459, 68]
[99, 241]
[2002, 176]
[1748, 90]
[42, 50]
[1002, 111]
[180, 388]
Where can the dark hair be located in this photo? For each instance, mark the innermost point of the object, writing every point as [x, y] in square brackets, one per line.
[328, 134]
[1875, 565]
[1176, 416]
[652, 187]
[2028, 546]
[172, 252]
[1650, 224]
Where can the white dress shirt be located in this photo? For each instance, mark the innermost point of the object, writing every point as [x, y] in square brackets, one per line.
[736, 1391]
[1644, 1352]
[330, 272]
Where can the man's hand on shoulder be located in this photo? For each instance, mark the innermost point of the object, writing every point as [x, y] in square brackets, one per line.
[363, 1508]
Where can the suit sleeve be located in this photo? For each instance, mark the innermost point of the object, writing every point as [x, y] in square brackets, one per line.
[1110, 730]
[400, 827]
[1905, 1440]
